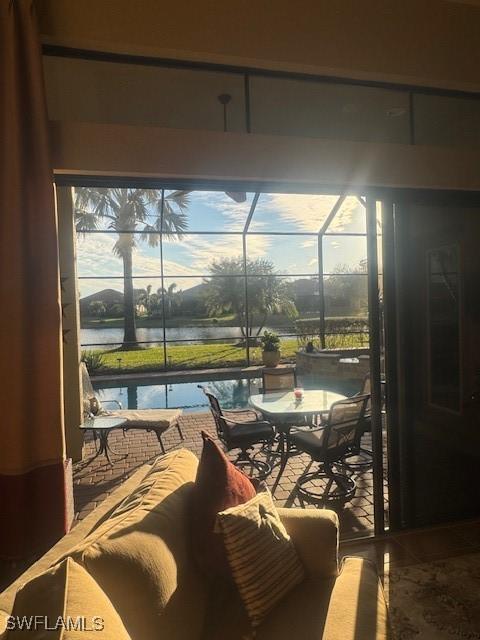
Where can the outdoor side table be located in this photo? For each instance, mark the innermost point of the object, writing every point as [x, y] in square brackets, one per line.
[101, 428]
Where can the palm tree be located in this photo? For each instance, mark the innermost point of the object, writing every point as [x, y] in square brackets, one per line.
[128, 211]
[146, 298]
[169, 296]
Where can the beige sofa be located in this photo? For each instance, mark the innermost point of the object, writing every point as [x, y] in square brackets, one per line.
[136, 547]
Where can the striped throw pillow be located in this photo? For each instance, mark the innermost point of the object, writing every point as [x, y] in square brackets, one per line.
[263, 560]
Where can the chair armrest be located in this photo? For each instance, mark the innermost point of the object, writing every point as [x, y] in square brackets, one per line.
[240, 412]
[119, 404]
[315, 536]
[258, 423]
[307, 429]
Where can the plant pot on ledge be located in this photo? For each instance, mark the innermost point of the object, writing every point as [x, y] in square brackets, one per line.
[271, 358]
[270, 349]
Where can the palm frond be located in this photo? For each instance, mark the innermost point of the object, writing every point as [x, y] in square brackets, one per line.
[124, 244]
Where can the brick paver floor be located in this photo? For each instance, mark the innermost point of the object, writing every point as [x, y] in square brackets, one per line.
[95, 478]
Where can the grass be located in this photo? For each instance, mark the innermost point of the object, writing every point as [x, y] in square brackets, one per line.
[197, 356]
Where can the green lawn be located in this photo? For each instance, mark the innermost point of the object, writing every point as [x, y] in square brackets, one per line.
[197, 356]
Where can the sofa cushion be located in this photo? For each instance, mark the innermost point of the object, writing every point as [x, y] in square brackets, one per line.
[261, 554]
[349, 607]
[159, 419]
[67, 599]
[219, 485]
[139, 555]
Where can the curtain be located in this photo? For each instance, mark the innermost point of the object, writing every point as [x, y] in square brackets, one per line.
[32, 461]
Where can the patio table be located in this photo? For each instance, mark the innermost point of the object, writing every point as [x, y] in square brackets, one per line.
[285, 412]
[101, 428]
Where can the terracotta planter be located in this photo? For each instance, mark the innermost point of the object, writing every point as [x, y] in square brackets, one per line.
[271, 358]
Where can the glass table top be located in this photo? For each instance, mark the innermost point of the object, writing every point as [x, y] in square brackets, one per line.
[284, 402]
[103, 423]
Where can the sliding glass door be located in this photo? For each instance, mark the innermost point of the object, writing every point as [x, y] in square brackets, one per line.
[433, 340]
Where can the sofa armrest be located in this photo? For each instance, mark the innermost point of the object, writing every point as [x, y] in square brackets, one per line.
[315, 536]
[357, 607]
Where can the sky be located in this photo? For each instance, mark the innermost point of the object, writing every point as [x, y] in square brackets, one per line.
[207, 211]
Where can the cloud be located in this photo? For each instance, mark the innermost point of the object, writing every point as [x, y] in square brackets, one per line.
[95, 257]
[235, 213]
[351, 213]
[192, 256]
[303, 212]
[200, 251]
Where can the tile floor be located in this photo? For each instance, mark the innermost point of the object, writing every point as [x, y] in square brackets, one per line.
[419, 545]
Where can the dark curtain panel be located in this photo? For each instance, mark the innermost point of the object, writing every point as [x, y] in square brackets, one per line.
[32, 476]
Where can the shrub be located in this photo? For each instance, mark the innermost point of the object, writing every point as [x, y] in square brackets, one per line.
[270, 341]
[93, 360]
[339, 330]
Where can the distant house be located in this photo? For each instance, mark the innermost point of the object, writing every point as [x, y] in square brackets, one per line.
[112, 299]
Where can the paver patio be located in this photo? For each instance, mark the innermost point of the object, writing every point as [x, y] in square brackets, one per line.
[95, 479]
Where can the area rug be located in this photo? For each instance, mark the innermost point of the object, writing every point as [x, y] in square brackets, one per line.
[436, 600]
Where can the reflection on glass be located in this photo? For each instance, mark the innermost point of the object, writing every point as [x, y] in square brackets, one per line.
[303, 108]
[444, 327]
[448, 121]
[144, 95]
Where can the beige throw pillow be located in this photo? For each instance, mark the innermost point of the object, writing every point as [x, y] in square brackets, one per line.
[262, 557]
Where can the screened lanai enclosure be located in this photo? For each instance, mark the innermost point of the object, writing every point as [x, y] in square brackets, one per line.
[179, 280]
[178, 287]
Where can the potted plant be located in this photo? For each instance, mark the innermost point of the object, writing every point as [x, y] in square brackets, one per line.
[270, 349]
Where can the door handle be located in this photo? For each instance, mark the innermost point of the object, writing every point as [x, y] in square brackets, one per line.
[473, 399]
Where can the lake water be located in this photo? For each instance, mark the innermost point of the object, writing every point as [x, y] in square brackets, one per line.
[114, 337]
[148, 393]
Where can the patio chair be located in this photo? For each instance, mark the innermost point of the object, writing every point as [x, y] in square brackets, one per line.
[157, 420]
[279, 379]
[359, 458]
[241, 429]
[327, 446]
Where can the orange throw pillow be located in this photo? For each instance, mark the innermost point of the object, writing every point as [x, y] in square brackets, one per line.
[219, 485]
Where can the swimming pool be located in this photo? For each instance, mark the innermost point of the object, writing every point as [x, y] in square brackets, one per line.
[155, 393]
